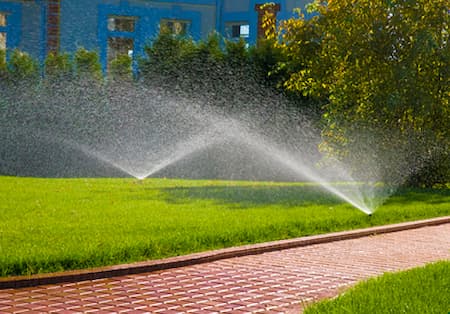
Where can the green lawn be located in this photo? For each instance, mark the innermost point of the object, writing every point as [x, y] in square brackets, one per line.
[421, 290]
[58, 224]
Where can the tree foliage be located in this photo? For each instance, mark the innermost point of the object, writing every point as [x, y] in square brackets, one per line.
[221, 72]
[382, 66]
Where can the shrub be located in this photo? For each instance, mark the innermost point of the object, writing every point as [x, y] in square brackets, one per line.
[22, 66]
[435, 172]
[2, 60]
[58, 65]
[87, 63]
[121, 67]
[165, 55]
[3, 66]
[236, 52]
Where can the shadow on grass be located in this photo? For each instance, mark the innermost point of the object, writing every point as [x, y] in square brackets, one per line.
[250, 196]
[427, 196]
[288, 196]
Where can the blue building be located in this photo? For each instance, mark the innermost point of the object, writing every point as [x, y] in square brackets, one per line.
[115, 27]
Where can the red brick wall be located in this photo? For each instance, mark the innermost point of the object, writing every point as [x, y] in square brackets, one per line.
[53, 16]
[262, 9]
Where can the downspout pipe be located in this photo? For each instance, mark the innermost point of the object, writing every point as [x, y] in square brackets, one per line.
[219, 10]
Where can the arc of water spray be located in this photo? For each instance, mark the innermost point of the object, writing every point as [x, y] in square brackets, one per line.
[235, 133]
[287, 159]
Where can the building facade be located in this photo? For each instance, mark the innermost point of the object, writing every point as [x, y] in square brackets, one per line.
[115, 27]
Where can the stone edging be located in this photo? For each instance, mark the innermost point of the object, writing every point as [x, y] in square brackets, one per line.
[205, 257]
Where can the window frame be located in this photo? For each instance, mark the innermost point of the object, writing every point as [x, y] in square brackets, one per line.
[5, 18]
[120, 34]
[116, 55]
[4, 32]
[3, 46]
[13, 26]
[186, 22]
[229, 30]
[122, 17]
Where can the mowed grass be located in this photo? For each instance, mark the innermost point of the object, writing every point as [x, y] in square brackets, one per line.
[51, 225]
[421, 290]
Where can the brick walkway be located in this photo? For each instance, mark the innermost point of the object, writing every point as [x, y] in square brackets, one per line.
[275, 282]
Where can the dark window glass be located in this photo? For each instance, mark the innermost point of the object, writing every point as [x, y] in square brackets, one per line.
[121, 23]
[238, 30]
[235, 31]
[176, 27]
[118, 46]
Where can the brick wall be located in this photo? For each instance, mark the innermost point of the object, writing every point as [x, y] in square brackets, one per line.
[53, 16]
[262, 9]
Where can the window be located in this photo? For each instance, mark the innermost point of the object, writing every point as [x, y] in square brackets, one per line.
[2, 19]
[176, 27]
[238, 30]
[2, 41]
[121, 23]
[119, 46]
[2, 34]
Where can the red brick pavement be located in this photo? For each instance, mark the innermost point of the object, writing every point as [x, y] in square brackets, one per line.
[275, 282]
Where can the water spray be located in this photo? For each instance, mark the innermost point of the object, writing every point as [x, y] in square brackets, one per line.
[144, 131]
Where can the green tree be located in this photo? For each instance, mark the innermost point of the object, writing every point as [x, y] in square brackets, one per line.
[383, 68]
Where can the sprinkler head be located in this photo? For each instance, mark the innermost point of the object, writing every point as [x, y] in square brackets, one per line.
[370, 215]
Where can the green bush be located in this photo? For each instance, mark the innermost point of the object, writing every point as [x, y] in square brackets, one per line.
[58, 65]
[87, 64]
[210, 50]
[22, 66]
[165, 55]
[221, 72]
[2, 60]
[236, 52]
[266, 57]
[121, 68]
[3, 65]
[435, 172]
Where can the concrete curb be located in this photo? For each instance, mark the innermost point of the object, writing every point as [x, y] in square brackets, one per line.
[205, 257]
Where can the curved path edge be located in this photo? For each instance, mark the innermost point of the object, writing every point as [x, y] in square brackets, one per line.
[209, 256]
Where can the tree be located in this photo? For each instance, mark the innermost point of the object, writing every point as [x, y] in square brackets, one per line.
[383, 68]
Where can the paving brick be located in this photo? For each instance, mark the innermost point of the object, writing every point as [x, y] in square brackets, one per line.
[274, 282]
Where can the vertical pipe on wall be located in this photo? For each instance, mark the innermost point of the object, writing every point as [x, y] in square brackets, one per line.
[219, 10]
